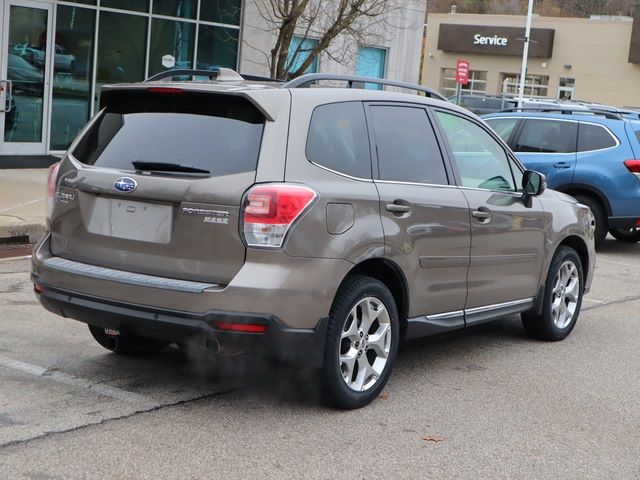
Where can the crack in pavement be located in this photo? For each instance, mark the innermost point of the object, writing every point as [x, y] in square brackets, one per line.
[15, 443]
[611, 302]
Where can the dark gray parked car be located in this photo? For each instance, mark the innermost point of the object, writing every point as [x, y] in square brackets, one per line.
[321, 225]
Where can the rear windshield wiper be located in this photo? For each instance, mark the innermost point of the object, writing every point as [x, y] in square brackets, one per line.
[167, 167]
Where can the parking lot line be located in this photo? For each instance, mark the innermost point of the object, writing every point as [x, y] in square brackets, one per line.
[83, 384]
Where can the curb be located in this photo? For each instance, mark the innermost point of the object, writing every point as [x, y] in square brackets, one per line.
[33, 231]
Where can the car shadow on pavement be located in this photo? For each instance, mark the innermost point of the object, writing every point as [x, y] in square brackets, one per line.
[268, 379]
[615, 247]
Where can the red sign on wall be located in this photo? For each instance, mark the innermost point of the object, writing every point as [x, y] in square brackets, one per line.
[462, 72]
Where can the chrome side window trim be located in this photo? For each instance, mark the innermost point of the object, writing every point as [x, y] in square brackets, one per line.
[340, 173]
[396, 182]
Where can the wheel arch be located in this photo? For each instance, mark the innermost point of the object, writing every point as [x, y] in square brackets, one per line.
[392, 276]
[581, 188]
[579, 245]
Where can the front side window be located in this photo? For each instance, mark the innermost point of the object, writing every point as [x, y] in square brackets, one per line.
[594, 137]
[338, 139]
[547, 136]
[481, 160]
[503, 126]
[406, 145]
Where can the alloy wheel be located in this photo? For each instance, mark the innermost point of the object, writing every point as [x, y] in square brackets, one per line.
[566, 291]
[365, 344]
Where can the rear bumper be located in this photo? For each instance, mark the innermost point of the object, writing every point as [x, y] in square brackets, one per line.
[298, 291]
[623, 222]
[291, 344]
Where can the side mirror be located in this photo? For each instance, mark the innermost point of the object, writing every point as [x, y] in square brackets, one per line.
[533, 183]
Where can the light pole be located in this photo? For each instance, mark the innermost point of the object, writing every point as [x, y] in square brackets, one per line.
[525, 54]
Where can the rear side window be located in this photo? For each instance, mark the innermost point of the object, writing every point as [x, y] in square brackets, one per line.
[407, 146]
[218, 133]
[547, 136]
[338, 139]
[503, 126]
[594, 137]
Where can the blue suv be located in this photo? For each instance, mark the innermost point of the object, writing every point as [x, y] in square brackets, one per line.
[594, 158]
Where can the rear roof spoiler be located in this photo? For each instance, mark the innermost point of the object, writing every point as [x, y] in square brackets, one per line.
[267, 105]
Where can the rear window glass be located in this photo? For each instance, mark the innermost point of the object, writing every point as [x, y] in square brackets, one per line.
[594, 137]
[548, 136]
[218, 133]
[338, 139]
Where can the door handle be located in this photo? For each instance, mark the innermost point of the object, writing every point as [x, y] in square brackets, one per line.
[398, 207]
[482, 214]
[561, 165]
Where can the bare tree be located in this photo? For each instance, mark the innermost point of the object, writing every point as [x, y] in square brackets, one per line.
[321, 21]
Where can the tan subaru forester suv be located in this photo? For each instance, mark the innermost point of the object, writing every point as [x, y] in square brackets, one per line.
[321, 225]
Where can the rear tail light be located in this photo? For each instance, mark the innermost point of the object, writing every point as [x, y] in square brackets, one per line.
[633, 166]
[269, 211]
[52, 177]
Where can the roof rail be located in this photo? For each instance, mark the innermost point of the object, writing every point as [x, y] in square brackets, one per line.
[356, 81]
[565, 111]
[220, 74]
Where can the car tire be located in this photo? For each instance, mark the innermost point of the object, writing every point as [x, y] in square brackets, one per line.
[599, 217]
[626, 235]
[125, 344]
[564, 285]
[362, 336]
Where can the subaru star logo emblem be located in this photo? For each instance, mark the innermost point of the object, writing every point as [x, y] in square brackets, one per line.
[125, 184]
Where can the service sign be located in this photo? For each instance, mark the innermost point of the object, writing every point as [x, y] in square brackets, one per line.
[462, 72]
[494, 40]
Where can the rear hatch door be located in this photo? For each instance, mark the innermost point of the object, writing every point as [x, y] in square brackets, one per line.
[177, 214]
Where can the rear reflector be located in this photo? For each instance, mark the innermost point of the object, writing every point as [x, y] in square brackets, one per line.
[633, 166]
[38, 288]
[241, 327]
[269, 211]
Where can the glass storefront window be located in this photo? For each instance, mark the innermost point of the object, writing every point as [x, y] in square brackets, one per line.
[72, 73]
[171, 38]
[299, 51]
[371, 63]
[217, 47]
[176, 8]
[534, 85]
[122, 43]
[220, 11]
[136, 5]
[25, 68]
[477, 82]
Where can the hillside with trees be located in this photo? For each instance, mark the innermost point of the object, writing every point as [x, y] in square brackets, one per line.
[552, 8]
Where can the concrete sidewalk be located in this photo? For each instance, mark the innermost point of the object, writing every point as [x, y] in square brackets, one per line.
[22, 204]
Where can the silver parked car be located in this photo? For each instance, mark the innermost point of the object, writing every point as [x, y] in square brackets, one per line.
[321, 225]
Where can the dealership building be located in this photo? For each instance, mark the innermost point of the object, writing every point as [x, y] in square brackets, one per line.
[593, 59]
[55, 55]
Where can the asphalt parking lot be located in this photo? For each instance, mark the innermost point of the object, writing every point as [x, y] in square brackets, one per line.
[484, 403]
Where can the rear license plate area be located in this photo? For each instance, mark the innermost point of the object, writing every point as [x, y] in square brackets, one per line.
[131, 220]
